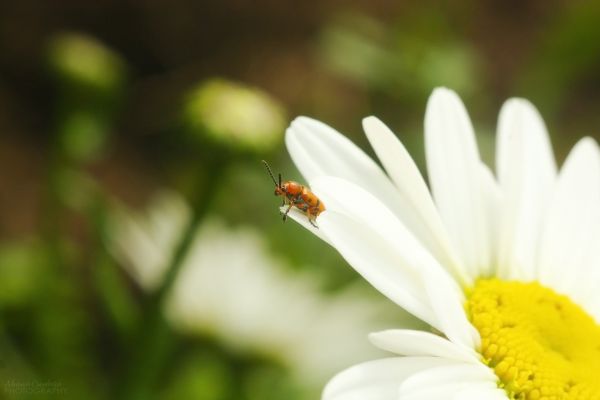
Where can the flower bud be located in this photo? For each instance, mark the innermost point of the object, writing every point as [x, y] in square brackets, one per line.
[234, 115]
[82, 61]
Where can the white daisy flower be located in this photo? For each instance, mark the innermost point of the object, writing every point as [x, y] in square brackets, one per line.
[231, 289]
[504, 268]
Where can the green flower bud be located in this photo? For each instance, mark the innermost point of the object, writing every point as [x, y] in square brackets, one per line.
[90, 81]
[234, 115]
[82, 61]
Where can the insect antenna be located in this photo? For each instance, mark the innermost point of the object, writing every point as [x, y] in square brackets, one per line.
[271, 174]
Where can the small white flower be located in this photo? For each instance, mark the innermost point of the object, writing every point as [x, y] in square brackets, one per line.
[505, 269]
[144, 240]
[232, 289]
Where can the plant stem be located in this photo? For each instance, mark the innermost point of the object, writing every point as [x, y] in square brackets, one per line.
[155, 341]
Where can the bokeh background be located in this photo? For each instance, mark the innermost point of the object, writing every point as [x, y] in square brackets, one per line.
[142, 255]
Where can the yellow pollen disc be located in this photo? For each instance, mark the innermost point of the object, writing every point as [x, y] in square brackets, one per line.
[539, 343]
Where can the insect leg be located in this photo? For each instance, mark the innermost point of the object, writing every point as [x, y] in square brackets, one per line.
[312, 215]
[285, 214]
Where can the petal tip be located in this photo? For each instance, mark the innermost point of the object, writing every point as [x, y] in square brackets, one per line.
[517, 104]
[370, 120]
[442, 91]
[589, 141]
[440, 99]
[299, 124]
[372, 124]
[300, 120]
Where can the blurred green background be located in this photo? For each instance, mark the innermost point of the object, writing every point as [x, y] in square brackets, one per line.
[142, 255]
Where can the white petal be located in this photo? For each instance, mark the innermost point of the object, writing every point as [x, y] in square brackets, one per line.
[457, 372]
[526, 172]
[302, 219]
[450, 390]
[348, 198]
[381, 373]
[345, 197]
[492, 197]
[587, 294]
[447, 303]
[520, 121]
[318, 150]
[592, 305]
[419, 343]
[382, 265]
[481, 393]
[453, 165]
[381, 391]
[447, 380]
[404, 173]
[571, 224]
[426, 275]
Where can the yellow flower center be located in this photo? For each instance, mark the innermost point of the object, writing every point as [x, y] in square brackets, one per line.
[539, 343]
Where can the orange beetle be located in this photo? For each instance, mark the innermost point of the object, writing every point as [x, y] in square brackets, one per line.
[297, 195]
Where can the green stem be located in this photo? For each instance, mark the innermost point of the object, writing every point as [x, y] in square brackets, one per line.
[120, 307]
[155, 341]
[201, 205]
